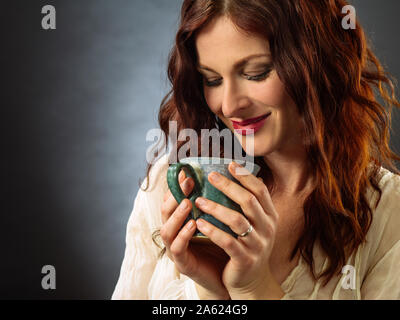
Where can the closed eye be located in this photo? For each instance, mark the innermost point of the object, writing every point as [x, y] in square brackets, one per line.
[259, 77]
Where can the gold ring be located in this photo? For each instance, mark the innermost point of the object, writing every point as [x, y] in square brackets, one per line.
[250, 229]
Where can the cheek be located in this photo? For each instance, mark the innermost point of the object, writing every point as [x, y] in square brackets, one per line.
[270, 93]
[212, 98]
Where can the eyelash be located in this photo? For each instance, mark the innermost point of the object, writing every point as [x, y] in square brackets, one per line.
[259, 77]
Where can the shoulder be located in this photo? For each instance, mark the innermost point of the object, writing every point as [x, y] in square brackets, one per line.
[157, 178]
[388, 207]
[148, 200]
[389, 180]
[384, 231]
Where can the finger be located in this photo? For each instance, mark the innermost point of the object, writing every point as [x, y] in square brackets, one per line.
[233, 219]
[247, 201]
[236, 221]
[180, 244]
[181, 178]
[255, 185]
[171, 227]
[169, 205]
[222, 239]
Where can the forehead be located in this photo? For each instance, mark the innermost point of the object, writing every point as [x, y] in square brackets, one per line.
[221, 39]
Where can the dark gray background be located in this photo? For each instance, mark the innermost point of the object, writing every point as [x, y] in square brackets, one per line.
[77, 104]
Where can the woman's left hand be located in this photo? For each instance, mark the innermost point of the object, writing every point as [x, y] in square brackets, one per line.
[247, 274]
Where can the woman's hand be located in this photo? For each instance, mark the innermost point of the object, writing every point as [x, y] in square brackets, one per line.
[202, 264]
[247, 274]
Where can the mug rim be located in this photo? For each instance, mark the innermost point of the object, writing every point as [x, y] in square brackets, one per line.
[225, 160]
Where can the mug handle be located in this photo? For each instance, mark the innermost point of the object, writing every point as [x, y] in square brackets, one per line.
[174, 186]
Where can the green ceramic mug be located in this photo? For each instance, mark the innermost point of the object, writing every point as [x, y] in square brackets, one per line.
[198, 169]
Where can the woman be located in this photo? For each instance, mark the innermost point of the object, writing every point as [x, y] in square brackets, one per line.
[322, 220]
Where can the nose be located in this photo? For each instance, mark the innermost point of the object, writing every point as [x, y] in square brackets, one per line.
[235, 100]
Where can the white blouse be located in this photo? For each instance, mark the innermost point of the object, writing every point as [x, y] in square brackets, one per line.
[372, 272]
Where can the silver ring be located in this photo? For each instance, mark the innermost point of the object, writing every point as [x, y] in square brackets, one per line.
[250, 229]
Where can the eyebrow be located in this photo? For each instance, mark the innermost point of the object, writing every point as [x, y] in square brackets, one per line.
[239, 63]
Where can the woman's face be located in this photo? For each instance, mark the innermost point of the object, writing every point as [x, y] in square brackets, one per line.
[237, 92]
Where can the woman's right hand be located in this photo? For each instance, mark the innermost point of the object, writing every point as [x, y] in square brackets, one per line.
[201, 263]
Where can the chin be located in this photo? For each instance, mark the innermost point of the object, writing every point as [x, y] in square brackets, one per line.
[257, 153]
[260, 148]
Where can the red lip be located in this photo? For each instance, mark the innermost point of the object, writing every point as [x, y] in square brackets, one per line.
[252, 120]
[252, 127]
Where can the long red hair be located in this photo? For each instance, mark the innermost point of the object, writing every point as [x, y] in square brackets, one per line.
[330, 74]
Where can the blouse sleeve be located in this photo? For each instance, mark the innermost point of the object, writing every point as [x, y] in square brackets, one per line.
[143, 274]
[382, 277]
[383, 280]
[140, 257]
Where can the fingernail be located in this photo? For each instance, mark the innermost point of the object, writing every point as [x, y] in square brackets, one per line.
[234, 165]
[184, 205]
[239, 170]
[190, 225]
[201, 202]
[214, 176]
[202, 226]
[200, 223]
